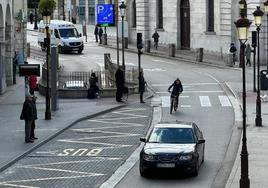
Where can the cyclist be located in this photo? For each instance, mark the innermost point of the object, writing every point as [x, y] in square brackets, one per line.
[177, 89]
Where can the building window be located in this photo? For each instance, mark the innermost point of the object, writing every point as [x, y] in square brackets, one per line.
[210, 16]
[159, 21]
[101, 2]
[134, 14]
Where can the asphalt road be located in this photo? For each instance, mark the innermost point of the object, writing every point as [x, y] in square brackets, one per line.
[203, 101]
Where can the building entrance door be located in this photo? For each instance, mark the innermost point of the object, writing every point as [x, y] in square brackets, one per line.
[185, 24]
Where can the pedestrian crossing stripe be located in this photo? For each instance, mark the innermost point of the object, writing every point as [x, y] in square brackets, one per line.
[204, 101]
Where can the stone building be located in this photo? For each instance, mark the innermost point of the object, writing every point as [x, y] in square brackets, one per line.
[6, 44]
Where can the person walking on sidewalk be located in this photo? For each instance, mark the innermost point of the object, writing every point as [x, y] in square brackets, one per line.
[232, 50]
[156, 39]
[32, 135]
[31, 17]
[248, 54]
[120, 83]
[96, 32]
[141, 86]
[93, 80]
[27, 114]
[100, 32]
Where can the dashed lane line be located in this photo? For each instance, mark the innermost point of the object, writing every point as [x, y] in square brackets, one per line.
[204, 101]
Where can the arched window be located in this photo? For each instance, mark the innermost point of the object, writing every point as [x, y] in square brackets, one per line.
[210, 15]
[159, 17]
[134, 15]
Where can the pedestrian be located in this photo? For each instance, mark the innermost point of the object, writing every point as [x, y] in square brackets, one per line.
[141, 86]
[73, 20]
[31, 17]
[32, 134]
[156, 39]
[32, 84]
[27, 114]
[96, 32]
[232, 50]
[120, 83]
[93, 80]
[248, 54]
[100, 32]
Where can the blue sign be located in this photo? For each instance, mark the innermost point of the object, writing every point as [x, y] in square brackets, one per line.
[105, 14]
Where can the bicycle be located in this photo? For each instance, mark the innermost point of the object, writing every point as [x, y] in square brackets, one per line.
[173, 102]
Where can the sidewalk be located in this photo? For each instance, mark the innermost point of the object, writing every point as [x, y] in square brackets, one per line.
[70, 111]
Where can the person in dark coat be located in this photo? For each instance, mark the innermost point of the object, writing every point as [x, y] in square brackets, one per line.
[233, 51]
[93, 80]
[120, 83]
[141, 86]
[31, 17]
[176, 88]
[100, 32]
[248, 52]
[96, 32]
[32, 135]
[156, 39]
[27, 114]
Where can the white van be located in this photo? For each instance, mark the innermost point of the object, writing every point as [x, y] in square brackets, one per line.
[62, 34]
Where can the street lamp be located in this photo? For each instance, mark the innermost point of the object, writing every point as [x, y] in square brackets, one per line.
[266, 11]
[35, 15]
[243, 7]
[257, 19]
[46, 20]
[122, 8]
[242, 25]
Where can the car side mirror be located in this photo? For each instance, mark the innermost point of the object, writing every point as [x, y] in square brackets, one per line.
[143, 139]
[201, 141]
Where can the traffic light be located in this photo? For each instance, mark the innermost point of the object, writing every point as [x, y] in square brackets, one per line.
[139, 41]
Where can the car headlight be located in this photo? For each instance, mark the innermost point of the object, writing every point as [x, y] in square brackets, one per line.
[186, 157]
[64, 43]
[149, 157]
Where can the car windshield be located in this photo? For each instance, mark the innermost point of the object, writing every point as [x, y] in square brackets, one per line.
[172, 135]
[68, 32]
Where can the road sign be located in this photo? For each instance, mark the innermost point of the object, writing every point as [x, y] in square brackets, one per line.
[29, 70]
[105, 14]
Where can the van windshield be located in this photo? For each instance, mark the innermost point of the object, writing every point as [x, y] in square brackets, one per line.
[68, 32]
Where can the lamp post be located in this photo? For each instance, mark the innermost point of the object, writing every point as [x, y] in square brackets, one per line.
[35, 15]
[242, 7]
[122, 8]
[242, 25]
[46, 20]
[266, 11]
[63, 10]
[257, 19]
[117, 40]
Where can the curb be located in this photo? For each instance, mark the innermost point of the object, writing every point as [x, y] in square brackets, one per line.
[10, 163]
[173, 58]
[227, 166]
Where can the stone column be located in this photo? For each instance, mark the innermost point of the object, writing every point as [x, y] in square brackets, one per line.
[2, 64]
[8, 55]
[142, 7]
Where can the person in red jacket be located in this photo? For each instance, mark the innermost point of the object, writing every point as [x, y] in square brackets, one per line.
[32, 84]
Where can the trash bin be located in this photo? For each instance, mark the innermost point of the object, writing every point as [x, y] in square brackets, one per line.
[171, 50]
[199, 55]
[264, 80]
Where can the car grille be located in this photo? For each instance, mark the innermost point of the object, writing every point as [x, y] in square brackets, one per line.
[75, 43]
[168, 158]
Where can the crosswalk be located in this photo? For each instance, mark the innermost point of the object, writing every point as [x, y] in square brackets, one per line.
[203, 101]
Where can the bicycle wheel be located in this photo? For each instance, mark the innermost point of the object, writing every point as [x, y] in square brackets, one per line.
[171, 105]
[176, 103]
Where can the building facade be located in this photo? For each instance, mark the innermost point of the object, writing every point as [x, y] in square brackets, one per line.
[6, 44]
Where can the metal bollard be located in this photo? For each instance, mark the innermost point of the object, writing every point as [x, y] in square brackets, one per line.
[171, 49]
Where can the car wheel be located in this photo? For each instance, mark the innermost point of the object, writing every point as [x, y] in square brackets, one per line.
[143, 172]
[79, 51]
[196, 169]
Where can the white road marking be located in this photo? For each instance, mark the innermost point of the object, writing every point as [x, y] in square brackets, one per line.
[165, 101]
[204, 101]
[224, 100]
[185, 106]
[154, 70]
[97, 143]
[185, 84]
[165, 92]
